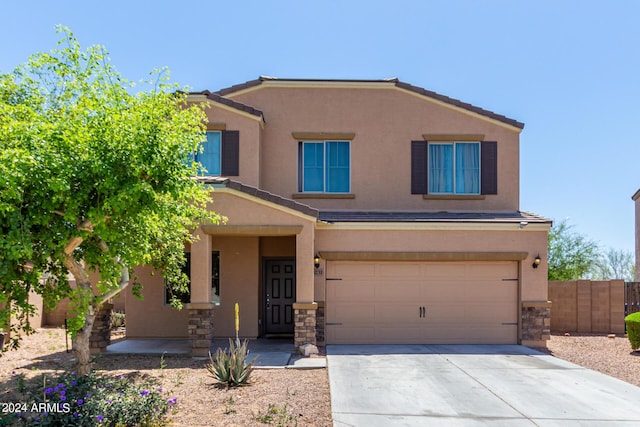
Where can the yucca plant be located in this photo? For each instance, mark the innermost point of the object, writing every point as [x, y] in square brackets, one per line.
[229, 366]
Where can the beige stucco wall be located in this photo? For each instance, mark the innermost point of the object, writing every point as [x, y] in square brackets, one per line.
[150, 317]
[533, 281]
[278, 247]
[239, 283]
[385, 121]
[250, 136]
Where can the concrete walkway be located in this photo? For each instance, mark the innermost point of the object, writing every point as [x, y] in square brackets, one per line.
[267, 353]
[449, 385]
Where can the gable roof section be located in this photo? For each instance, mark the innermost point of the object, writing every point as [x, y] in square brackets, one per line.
[230, 103]
[394, 82]
[261, 194]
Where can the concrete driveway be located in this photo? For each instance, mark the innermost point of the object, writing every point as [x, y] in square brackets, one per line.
[471, 385]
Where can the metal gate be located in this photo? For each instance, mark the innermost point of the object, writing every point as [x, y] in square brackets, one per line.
[631, 297]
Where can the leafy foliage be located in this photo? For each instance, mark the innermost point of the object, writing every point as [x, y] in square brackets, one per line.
[633, 329]
[229, 366]
[95, 176]
[615, 264]
[95, 400]
[572, 256]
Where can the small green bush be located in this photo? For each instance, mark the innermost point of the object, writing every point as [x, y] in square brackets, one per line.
[230, 366]
[117, 320]
[633, 329]
[94, 400]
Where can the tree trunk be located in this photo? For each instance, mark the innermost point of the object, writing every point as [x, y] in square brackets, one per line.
[81, 344]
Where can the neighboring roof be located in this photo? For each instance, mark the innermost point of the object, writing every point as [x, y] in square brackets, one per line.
[397, 83]
[636, 195]
[261, 194]
[410, 216]
[230, 103]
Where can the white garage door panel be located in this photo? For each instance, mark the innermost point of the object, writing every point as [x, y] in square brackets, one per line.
[379, 302]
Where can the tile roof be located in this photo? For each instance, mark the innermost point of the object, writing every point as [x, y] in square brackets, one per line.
[230, 102]
[412, 216]
[261, 194]
[377, 216]
[399, 84]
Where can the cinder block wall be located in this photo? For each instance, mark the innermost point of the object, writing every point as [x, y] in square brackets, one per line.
[586, 306]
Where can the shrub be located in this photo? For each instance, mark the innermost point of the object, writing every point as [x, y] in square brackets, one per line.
[95, 400]
[633, 329]
[117, 320]
[230, 366]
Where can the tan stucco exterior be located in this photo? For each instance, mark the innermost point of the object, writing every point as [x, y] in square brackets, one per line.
[384, 121]
[268, 219]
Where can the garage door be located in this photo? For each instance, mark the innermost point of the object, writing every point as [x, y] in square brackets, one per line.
[421, 302]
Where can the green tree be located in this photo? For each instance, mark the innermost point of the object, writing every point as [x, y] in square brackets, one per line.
[615, 264]
[94, 176]
[572, 256]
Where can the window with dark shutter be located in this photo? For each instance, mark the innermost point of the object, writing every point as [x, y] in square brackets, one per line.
[419, 162]
[230, 153]
[489, 167]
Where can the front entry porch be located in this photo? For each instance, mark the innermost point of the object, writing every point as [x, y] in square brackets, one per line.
[267, 269]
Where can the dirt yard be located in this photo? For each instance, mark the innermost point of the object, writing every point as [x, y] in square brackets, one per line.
[275, 396]
[611, 356]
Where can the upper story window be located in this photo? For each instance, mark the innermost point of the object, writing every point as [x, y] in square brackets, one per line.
[210, 158]
[325, 166]
[221, 153]
[454, 168]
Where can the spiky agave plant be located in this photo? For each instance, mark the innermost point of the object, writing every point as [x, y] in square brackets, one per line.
[229, 366]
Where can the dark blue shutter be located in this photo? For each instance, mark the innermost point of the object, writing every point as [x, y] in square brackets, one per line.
[489, 168]
[230, 162]
[419, 175]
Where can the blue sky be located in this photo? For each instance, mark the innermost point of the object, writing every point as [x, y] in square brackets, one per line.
[569, 70]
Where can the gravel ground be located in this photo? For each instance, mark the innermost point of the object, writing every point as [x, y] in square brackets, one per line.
[286, 397]
[612, 356]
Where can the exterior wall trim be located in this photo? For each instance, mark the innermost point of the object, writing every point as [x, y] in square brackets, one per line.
[305, 306]
[251, 230]
[453, 196]
[322, 136]
[452, 137]
[422, 256]
[323, 196]
[436, 226]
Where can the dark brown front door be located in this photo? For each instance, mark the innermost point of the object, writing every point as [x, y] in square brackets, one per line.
[280, 294]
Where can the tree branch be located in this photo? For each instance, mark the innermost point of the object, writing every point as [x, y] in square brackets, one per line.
[122, 285]
[124, 275]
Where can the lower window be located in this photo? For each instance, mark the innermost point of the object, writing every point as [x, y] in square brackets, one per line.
[185, 297]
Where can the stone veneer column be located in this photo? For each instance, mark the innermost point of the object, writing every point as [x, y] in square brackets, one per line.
[200, 328]
[305, 323]
[536, 323]
[101, 332]
[320, 324]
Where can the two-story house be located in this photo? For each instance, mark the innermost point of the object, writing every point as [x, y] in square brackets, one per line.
[358, 211]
